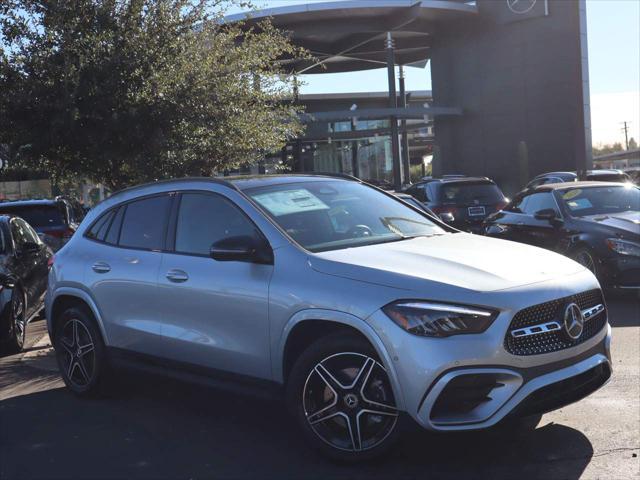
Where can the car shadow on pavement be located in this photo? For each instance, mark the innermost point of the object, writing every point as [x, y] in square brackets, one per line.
[157, 428]
[624, 308]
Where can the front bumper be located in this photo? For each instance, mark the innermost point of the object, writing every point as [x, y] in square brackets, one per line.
[426, 370]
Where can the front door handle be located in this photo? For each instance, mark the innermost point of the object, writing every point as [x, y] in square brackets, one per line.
[177, 276]
[101, 267]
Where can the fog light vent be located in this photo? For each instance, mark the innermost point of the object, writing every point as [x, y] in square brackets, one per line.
[464, 394]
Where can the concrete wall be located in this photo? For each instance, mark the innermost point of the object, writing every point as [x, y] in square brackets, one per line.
[522, 81]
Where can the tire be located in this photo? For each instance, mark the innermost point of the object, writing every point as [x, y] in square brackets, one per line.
[340, 396]
[589, 260]
[18, 321]
[80, 352]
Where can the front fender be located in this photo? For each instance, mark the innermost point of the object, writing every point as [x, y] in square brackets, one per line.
[80, 294]
[344, 319]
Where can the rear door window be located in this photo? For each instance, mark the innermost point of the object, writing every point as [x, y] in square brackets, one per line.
[144, 222]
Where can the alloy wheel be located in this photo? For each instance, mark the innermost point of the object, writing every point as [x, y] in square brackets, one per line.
[585, 259]
[19, 320]
[348, 402]
[78, 358]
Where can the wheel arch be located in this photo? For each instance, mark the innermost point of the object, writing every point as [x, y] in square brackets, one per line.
[306, 323]
[66, 297]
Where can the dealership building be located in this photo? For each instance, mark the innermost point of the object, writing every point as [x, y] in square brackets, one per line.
[509, 87]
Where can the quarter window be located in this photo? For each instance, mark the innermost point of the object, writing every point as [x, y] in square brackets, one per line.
[144, 223]
[100, 227]
[204, 219]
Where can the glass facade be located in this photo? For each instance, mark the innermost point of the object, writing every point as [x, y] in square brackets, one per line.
[369, 158]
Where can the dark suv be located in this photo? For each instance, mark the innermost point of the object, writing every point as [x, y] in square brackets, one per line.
[55, 221]
[463, 202]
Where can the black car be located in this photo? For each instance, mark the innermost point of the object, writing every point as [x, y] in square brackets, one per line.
[592, 175]
[24, 268]
[463, 202]
[54, 220]
[595, 223]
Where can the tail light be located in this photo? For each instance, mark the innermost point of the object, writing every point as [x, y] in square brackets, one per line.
[65, 234]
[501, 204]
[51, 261]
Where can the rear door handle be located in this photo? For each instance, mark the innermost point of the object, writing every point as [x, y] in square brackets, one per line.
[177, 276]
[101, 267]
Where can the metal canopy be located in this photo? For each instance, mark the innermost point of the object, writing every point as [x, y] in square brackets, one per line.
[347, 36]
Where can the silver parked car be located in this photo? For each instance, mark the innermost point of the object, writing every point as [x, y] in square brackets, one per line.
[360, 306]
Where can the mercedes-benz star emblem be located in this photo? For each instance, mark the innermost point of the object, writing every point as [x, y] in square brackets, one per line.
[521, 6]
[351, 400]
[573, 321]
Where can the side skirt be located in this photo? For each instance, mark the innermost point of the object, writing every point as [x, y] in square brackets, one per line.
[140, 363]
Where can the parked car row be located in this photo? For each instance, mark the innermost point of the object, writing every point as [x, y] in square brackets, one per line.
[30, 231]
[597, 222]
[358, 305]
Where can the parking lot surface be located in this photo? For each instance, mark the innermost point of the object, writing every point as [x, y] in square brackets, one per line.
[156, 428]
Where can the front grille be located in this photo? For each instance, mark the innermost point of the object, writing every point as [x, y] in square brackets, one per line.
[553, 311]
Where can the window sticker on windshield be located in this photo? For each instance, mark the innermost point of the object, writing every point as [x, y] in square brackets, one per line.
[579, 204]
[572, 194]
[290, 201]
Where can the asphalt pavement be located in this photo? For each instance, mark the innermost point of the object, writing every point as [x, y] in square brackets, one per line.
[155, 428]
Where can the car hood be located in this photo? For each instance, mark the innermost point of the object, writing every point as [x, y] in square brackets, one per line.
[462, 260]
[627, 221]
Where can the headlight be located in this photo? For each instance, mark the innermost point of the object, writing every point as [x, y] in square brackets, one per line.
[623, 247]
[428, 319]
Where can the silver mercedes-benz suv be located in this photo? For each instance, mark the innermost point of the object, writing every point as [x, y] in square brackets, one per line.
[360, 306]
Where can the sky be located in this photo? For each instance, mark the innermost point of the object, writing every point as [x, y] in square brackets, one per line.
[613, 28]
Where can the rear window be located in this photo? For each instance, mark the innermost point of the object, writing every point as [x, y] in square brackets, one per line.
[38, 216]
[613, 177]
[470, 193]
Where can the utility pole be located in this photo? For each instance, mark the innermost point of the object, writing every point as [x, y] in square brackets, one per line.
[626, 134]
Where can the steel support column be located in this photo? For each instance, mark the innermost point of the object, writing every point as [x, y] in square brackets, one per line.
[393, 121]
[403, 130]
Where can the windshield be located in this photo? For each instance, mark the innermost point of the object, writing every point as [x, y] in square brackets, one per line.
[38, 216]
[582, 202]
[331, 215]
[471, 193]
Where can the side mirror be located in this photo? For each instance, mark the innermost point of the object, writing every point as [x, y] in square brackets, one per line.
[548, 214]
[447, 217]
[242, 248]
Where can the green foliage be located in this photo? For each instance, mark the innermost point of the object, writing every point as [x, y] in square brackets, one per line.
[604, 149]
[633, 145]
[126, 91]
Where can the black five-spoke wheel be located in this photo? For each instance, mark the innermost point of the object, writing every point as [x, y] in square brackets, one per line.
[342, 398]
[348, 402]
[79, 353]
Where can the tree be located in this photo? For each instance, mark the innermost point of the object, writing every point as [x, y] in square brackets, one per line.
[126, 91]
[633, 145]
[604, 149]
